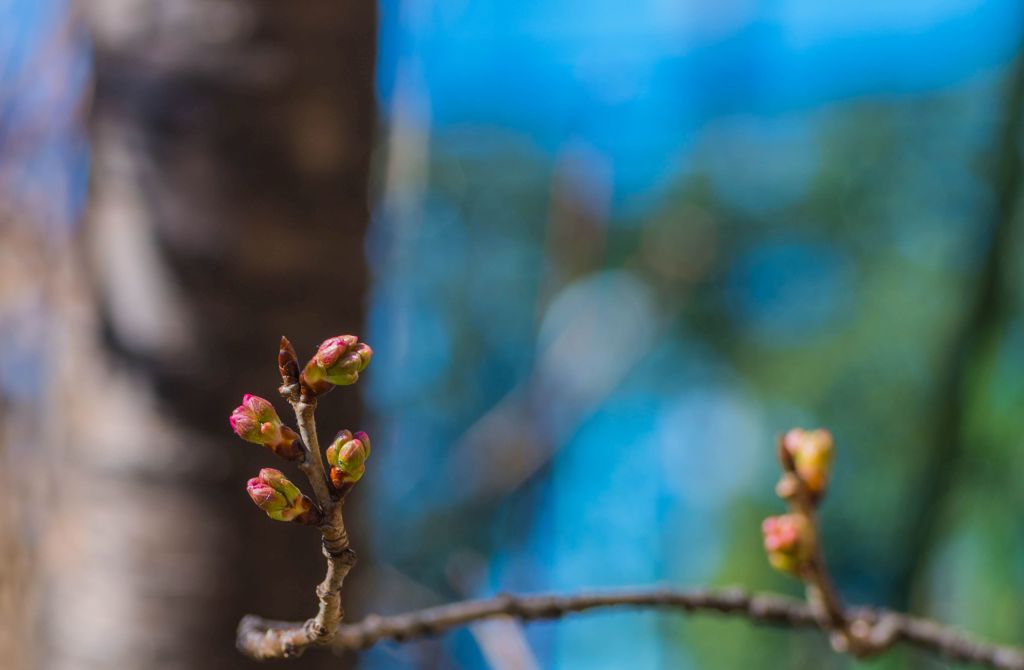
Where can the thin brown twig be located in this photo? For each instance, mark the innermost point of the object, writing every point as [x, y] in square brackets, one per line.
[261, 639]
[849, 632]
[821, 591]
[822, 595]
[760, 608]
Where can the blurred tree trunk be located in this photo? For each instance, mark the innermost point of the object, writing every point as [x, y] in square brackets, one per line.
[231, 150]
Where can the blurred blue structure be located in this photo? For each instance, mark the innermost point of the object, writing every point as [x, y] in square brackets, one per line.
[44, 83]
[640, 85]
[44, 79]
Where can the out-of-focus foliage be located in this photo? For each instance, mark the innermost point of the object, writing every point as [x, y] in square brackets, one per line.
[591, 330]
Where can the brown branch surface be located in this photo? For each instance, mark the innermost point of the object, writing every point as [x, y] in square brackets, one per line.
[759, 608]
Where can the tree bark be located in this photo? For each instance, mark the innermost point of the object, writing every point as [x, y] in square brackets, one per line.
[231, 146]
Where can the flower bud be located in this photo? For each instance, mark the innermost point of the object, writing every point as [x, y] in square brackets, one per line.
[347, 456]
[787, 541]
[287, 362]
[338, 362]
[788, 486]
[812, 452]
[256, 420]
[280, 499]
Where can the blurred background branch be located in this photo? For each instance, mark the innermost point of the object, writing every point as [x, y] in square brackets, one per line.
[984, 314]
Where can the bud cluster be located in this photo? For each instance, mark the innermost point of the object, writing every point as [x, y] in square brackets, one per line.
[806, 457]
[337, 362]
[256, 420]
[347, 457]
[276, 495]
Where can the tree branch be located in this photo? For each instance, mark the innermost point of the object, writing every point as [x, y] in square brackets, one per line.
[312, 464]
[759, 608]
[860, 640]
[984, 313]
[805, 458]
[260, 639]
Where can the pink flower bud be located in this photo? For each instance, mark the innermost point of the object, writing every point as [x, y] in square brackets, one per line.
[347, 456]
[265, 497]
[338, 362]
[787, 541]
[812, 453]
[280, 499]
[255, 420]
[332, 349]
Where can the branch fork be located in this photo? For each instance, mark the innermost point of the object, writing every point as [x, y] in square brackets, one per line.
[263, 639]
[806, 459]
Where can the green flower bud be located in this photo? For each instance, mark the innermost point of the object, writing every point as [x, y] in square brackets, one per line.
[347, 457]
[338, 362]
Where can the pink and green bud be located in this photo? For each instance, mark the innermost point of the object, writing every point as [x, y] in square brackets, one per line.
[787, 541]
[280, 499]
[338, 362]
[256, 420]
[812, 453]
[347, 457]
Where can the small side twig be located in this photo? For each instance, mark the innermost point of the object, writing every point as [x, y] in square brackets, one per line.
[806, 457]
[262, 639]
[821, 592]
[759, 608]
